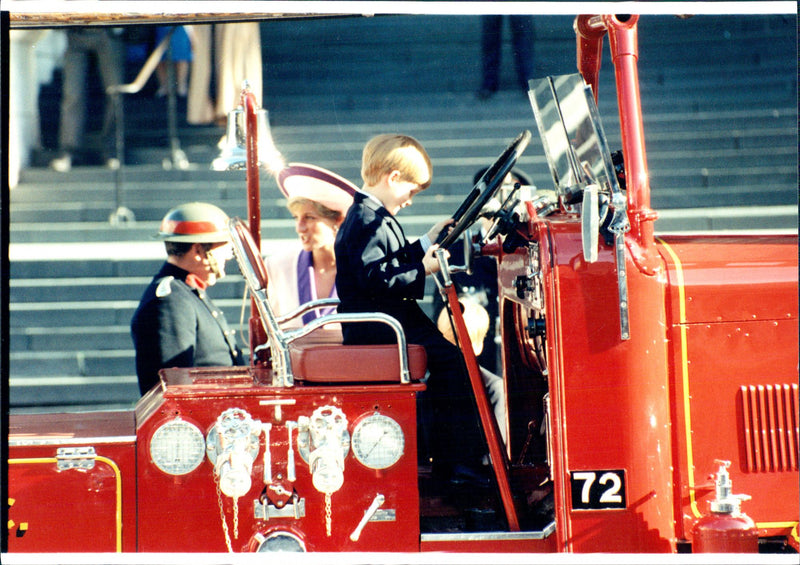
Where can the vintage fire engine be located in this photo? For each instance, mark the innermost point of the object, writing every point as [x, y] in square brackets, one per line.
[648, 378]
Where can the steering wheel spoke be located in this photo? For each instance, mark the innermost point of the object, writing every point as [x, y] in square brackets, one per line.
[486, 188]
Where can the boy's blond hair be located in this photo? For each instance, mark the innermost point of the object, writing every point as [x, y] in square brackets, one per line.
[389, 152]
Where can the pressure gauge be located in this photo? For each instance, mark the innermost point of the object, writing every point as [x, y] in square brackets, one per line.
[378, 441]
[177, 447]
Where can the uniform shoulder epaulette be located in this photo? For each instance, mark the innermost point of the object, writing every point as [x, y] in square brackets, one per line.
[164, 287]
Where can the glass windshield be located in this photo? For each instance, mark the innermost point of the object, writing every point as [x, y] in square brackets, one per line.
[572, 135]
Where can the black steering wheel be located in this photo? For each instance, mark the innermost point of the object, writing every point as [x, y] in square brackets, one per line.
[483, 191]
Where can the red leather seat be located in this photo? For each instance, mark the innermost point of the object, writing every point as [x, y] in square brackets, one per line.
[323, 359]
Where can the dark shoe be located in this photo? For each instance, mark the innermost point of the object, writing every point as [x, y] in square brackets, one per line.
[485, 94]
[471, 476]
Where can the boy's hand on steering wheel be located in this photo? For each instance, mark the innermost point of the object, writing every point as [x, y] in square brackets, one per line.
[433, 233]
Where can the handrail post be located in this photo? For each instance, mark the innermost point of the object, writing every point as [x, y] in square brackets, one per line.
[248, 102]
[115, 91]
[177, 158]
[121, 214]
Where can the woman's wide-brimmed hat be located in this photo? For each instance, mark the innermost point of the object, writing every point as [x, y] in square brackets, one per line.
[317, 184]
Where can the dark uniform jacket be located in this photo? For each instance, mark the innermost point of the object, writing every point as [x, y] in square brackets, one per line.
[378, 270]
[177, 325]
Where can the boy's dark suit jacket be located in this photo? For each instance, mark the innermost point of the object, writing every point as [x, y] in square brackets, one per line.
[378, 270]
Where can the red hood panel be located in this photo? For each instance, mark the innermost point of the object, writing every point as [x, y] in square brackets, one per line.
[732, 278]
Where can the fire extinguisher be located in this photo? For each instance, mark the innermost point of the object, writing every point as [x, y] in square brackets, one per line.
[726, 529]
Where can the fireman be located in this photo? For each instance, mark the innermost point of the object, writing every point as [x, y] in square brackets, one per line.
[176, 323]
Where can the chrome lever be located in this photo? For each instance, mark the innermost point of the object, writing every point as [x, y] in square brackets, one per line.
[267, 455]
[369, 513]
[290, 468]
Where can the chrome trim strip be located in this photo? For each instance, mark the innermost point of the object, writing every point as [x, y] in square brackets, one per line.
[491, 536]
[22, 442]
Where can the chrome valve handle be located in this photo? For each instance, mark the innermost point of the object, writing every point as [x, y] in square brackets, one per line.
[232, 447]
[329, 443]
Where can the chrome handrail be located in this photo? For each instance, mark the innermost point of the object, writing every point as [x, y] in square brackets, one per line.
[146, 71]
[245, 253]
[307, 306]
[402, 350]
[114, 91]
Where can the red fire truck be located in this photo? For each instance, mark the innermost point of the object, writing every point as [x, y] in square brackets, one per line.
[652, 387]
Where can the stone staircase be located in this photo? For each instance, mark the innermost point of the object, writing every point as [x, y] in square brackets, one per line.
[719, 99]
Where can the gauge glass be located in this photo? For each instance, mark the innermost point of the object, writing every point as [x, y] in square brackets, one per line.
[177, 447]
[378, 441]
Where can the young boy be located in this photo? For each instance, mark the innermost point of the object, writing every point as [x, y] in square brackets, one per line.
[379, 270]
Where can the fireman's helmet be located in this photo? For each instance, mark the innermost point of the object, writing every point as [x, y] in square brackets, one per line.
[195, 222]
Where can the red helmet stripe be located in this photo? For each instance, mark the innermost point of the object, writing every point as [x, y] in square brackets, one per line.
[188, 227]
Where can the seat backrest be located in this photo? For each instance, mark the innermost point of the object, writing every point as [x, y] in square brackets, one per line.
[312, 354]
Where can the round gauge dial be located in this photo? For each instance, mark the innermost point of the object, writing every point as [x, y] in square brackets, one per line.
[177, 447]
[378, 441]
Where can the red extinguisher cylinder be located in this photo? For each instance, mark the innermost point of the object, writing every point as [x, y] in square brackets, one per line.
[725, 533]
[726, 529]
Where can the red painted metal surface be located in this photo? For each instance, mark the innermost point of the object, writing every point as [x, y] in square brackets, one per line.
[589, 31]
[65, 510]
[250, 105]
[733, 331]
[623, 43]
[724, 533]
[190, 504]
[611, 407]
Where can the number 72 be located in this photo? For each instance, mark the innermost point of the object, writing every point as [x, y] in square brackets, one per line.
[592, 493]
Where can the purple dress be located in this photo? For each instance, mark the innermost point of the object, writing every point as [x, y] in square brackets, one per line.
[305, 287]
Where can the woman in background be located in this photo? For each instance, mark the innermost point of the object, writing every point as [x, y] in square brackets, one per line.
[318, 201]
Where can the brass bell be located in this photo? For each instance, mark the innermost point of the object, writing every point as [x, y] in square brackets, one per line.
[233, 148]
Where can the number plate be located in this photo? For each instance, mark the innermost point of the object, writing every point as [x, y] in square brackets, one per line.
[598, 490]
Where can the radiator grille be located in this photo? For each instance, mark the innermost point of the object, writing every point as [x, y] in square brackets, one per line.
[770, 425]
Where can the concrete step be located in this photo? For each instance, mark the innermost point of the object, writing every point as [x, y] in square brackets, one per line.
[88, 363]
[684, 187]
[144, 187]
[73, 393]
[134, 258]
[103, 288]
[453, 43]
[70, 338]
[88, 312]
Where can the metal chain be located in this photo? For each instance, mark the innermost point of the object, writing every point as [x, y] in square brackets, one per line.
[236, 518]
[222, 517]
[328, 514]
